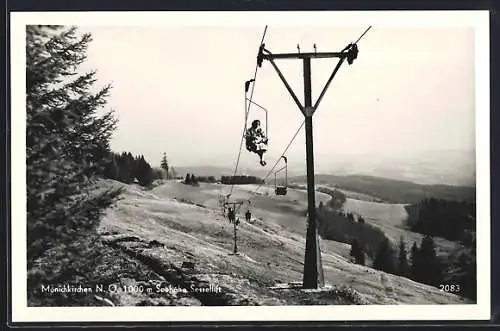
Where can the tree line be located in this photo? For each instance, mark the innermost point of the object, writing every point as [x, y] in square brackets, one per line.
[240, 180]
[453, 220]
[192, 179]
[127, 168]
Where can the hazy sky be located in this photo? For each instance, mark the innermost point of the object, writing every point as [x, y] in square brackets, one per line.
[180, 90]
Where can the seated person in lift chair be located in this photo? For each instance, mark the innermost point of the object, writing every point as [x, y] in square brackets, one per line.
[256, 141]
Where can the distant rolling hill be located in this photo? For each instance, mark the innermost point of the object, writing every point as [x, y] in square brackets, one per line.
[386, 189]
[447, 167]
[450, 167]
[392, 190]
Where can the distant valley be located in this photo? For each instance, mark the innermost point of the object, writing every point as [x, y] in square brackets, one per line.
[455, 168]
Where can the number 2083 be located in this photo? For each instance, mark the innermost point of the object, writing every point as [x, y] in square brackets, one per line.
[452, 288]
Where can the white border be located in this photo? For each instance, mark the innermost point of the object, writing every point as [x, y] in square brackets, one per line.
[477, 19]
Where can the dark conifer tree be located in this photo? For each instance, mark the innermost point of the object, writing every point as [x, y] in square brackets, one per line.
[67, 148]
[164, 164]
[431, 269]
[143, 171]
[415, 266]
[384, 258]
[357, 252]
[188, 179]
[403, 267]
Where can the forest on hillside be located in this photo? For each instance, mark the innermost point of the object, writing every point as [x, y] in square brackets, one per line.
[419, 262]
[453, 220]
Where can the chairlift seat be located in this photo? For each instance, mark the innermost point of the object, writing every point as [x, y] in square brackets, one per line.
[280, 190]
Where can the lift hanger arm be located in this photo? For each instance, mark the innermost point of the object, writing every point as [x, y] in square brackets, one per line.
[280, 169]
[256, 104]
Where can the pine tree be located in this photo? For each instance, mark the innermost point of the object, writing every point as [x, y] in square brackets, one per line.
[67, 148]
[164, 164]
[188, 179]
[136, 167]
[143, 171]
[415, 263]
[431, 269]
[403, 267]
[384, 258]
[125, 168]
[132, 165]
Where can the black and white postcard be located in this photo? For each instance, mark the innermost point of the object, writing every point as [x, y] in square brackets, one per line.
[250, 166]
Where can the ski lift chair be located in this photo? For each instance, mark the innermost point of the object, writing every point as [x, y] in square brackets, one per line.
[281, 189]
